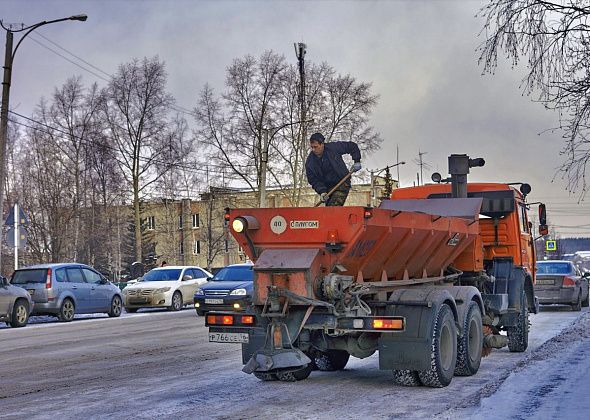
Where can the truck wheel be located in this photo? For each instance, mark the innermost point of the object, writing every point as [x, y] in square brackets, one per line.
[469, 344]
[518, 336]
[406, 377]
[296, 375]
[331, 360]
[443, 355]
[20, 314]
[266, 376]
[66, 311]
[578, 305]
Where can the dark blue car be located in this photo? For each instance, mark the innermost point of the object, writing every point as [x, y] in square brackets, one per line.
[229, 290]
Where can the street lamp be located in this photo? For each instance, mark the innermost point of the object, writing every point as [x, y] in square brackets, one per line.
[388, 184]
[8, 59]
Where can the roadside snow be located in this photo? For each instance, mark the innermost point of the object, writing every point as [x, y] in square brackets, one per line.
[551, 382]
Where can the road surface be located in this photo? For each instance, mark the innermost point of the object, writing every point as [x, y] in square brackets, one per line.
[160, 364]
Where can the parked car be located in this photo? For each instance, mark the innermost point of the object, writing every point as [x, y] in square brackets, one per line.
[560, 282]
[15, 304]
[170, 286]
[229, 290]
[66, 289]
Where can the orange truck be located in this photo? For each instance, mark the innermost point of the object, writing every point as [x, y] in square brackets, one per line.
[431, 279]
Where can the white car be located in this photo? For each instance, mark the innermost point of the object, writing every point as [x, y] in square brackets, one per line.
[171, 286]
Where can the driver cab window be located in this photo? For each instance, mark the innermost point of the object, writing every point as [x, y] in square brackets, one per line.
[524, 224]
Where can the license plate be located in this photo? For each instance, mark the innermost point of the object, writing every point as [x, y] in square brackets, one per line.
[545, 281]
[216, 337]
[214, 301]
[138, 300]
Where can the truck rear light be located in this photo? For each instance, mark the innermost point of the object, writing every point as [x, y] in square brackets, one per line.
[48, 280]
[332, 237]
[568, 281]
[220, 319]
[368, 213]
[388, 324]
[247, 319]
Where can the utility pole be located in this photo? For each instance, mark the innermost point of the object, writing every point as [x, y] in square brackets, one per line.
[300, 50]
[8, 61]
[399, 184]
[263, 164]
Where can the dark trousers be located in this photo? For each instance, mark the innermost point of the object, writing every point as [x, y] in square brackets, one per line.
[337, 198]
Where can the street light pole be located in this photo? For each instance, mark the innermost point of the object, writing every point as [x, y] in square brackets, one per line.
[8, 60]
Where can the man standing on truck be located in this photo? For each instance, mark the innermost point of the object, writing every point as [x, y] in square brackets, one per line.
[325, 168]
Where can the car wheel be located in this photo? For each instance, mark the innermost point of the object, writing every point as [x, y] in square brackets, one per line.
[131, 310]
[20, 314]
[586, 302]
[116, 307]
[578, 305]
[176, 302]
[67, 311]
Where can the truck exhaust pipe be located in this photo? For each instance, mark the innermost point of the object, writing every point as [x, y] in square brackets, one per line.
[458, 169]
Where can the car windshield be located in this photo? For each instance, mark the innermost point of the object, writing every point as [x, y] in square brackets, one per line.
[29, 276]
[163, 275]
[554, 268]
[244, 273]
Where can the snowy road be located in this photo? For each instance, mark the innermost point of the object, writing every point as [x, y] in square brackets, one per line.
[157, 364]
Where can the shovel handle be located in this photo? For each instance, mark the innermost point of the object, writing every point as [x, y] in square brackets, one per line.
[348, 175]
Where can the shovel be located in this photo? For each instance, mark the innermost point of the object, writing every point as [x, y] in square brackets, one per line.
[336, 187]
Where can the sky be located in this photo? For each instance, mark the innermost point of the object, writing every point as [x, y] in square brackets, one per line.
[420, 56]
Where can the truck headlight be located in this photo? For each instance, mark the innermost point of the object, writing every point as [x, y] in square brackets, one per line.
[199, 292]
[238, 292]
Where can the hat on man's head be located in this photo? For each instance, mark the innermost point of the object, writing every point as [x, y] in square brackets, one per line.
[317, 137]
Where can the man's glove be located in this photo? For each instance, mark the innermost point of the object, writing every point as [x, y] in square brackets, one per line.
[356, 167]
[324, 197]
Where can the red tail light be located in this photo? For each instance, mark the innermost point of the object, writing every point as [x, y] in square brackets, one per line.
[568, 281]
[48, 280]
[332, 237]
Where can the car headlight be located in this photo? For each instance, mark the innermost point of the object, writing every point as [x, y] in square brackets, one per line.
[162, 290]
[238, 292]
[199, 292]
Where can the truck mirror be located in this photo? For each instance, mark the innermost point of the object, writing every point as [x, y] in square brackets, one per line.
[525, 189]
[436, 177]
[543, 230]
[542, 215]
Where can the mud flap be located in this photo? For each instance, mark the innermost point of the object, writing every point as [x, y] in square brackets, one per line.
[264, 360]
[411, 348]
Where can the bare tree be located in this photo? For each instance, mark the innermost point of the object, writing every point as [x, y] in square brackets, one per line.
[553, 38]
[136, 113]
[262, 94]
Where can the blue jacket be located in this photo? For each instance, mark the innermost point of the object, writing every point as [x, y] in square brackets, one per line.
[333, 151]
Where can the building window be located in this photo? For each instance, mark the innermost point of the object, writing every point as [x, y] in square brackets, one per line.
[196, 221]
[181, 247]
[151, 222]
[180, 222]
[226, 246]
[196, 247]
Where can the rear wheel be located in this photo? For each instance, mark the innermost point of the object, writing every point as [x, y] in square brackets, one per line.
[518, 335]
[469, 344]
[296, 375]
[176, 304]
[67, 310]
[578, 305]
[331, 360]
[116, 307]
[405, 377]
[443, 355]
[20, 314]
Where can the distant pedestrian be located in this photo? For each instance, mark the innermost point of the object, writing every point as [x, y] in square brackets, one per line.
[325, 167]
[164, 263]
